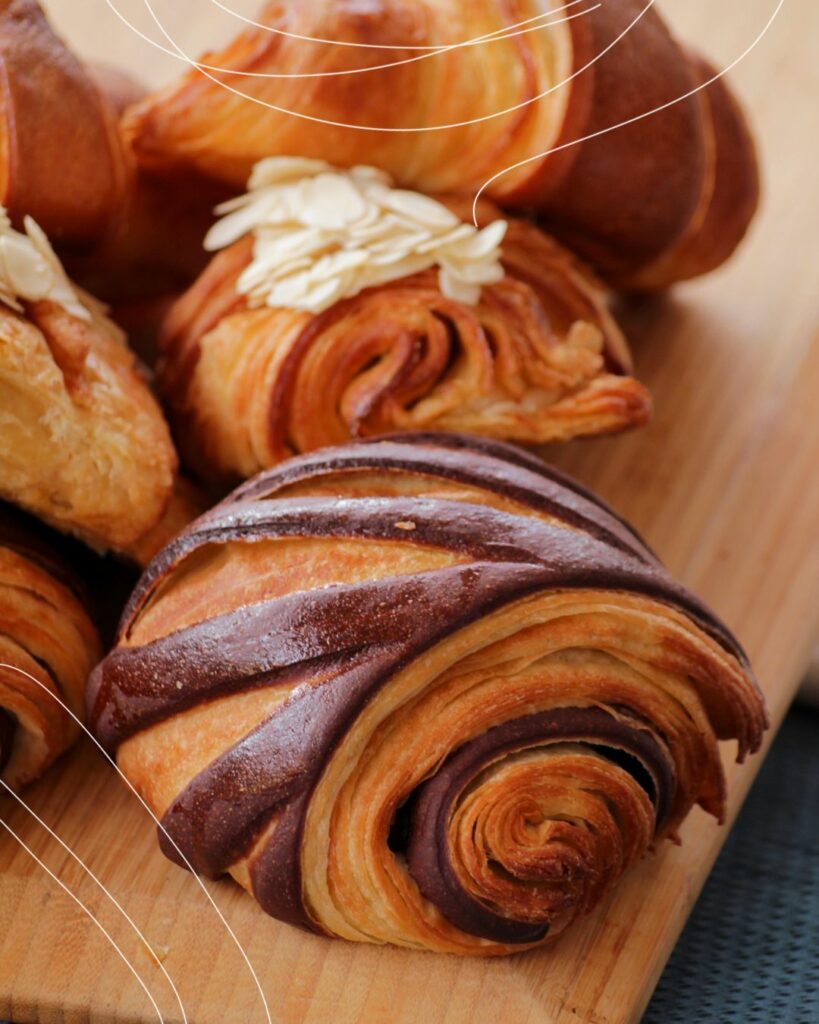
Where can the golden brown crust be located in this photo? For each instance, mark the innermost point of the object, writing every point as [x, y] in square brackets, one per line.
[539, 359]
[61, 161]
[631, 192]
[46, 633]
[83, 443]
[730, 194]
[420, 690]
[186, 503]
[153, 248]
[625, 200]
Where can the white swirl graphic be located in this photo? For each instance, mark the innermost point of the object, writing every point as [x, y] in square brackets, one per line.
[631, 120]
[502, 34]
[86, 911]
[373, 128]
[158, 823]
[205, 70]
[94, 878]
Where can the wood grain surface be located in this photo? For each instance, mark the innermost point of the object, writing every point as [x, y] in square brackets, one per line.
[724, 484]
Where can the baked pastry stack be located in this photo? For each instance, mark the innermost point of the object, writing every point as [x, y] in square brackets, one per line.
[83, 443]
[526, 106]
[342, 306]
[46, 633]
[420, 690]
[83, 446]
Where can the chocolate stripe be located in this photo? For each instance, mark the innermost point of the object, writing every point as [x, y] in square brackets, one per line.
[266, 644]
[401, 619]
[221, 810]
[219, 813]
[485, 466]
[426, 608]
[8, 727]
[481, 532]
[470, 444]
[186, 666]
[428, 853]
[334, 646]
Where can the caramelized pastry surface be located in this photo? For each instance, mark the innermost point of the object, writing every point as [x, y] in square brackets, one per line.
[46, 633]
[539, 358]
[644, 203]
[83, 443]
[423, 691]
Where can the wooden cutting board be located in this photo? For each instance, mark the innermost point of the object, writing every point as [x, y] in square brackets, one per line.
[725, 485]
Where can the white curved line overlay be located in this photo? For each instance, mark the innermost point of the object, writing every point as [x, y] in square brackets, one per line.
[87, 912]
[369, 128]
[159, 825]
[94, 878]
[359, 46]
[507, 32]
[204, 69]
[630, 120]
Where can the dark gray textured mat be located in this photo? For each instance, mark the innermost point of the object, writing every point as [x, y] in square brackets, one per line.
[750, 951]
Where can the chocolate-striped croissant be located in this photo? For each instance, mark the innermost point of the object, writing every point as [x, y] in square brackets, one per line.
[665, 197]
[46, 632]
[422, 691]
[538, 359]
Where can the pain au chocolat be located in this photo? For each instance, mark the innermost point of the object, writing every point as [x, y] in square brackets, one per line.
[422, 691]
[524, 107]
[341, 307]
[48, 646]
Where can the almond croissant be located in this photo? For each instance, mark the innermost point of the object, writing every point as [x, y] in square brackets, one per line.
[538, 358]
[666, 197]
[423, 691]
[83, 443]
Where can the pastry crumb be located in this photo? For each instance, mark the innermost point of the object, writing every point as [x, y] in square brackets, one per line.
[157, 953]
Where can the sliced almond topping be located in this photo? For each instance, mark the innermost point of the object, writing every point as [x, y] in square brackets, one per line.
[322, 234]
[31, 271]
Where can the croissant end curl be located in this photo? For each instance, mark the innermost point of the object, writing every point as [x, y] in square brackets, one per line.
[666, 197]
[61, 160]
[45, 633]
[423, 691]
[538, 358]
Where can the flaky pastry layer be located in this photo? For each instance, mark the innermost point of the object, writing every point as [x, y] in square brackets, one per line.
[422, 691]
[83, 443]
[538, 359]
[46, 633]
[530, 113]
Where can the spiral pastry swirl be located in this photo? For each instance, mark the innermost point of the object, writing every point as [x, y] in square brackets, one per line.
[423, 691]
[539, 359]
[46, 633]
